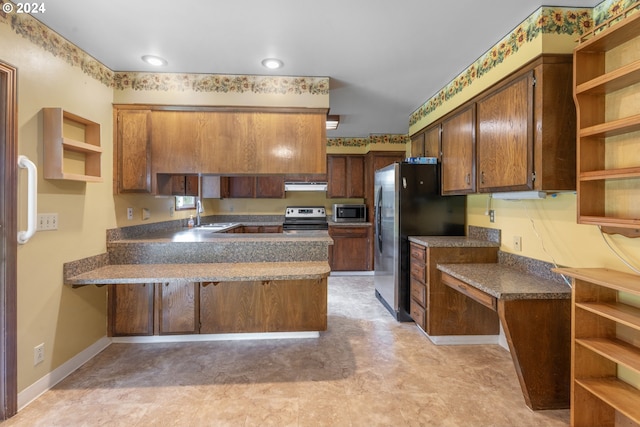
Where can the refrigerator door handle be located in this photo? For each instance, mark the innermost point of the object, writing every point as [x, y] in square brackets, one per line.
[379, 219]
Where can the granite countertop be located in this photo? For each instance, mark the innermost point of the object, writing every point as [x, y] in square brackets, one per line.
[506, 283]
[191, 235]
[349, 224]
[452, 242]
[217, 272]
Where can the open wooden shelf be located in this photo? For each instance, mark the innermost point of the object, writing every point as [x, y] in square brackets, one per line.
[605, 336]
[617, 394]
[606, 77]
[73, 157]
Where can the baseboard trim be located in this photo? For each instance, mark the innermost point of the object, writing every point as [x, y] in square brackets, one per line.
[215, 337]
[499, 339]
[352, 273]
[35, 390]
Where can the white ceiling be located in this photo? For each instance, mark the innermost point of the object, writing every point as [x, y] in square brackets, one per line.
[385, 58]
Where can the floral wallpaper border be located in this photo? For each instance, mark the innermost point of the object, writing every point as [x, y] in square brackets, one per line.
[371, 139]
[567, 21]
[544, 20]
[42, 36]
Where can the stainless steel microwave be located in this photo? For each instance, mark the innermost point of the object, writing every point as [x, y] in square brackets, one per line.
[349, 213]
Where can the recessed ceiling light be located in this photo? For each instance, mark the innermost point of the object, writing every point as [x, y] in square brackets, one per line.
[154, 60]
[272, 63]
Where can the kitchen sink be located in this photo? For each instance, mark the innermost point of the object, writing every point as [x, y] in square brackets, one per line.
[216, 226]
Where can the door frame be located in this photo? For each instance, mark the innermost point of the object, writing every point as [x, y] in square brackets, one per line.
[8, 241]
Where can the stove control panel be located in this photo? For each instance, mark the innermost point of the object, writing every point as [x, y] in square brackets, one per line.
[305, 212]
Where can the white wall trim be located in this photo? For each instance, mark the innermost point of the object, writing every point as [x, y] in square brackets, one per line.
[499, 339]
[35, 390]
[214, 337]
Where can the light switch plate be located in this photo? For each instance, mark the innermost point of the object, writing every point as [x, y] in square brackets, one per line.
[146, 213]
[47, 222]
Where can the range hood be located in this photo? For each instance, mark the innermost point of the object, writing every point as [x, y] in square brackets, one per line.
[305, 186]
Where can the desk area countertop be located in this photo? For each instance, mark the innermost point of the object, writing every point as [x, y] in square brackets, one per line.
[506, 283]
[452, 242]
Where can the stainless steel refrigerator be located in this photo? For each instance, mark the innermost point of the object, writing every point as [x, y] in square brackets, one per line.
[408, 203]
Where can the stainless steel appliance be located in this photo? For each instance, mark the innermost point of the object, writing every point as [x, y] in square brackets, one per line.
[304, 218]
[408, 203]
[349, 213]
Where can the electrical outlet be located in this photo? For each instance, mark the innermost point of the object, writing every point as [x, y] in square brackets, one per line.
[492, 216]
[129, 213]
[38, 354]
[47, 221]
[172, 211]
[517, 243]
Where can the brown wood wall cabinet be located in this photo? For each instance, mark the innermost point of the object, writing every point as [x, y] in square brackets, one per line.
[351, 248]
[459, 152]
[67, 136]
[521, 138]
[605, 341]
[216, 141]
[345, 176]
[426, 143]
[606, 87]
[431, 300]
[132, 157]
[252, 187]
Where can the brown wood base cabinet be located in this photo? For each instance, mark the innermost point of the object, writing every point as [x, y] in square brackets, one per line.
[263, 306]
[350, 249]
[217, 307]
[432, 302]
[130, 309]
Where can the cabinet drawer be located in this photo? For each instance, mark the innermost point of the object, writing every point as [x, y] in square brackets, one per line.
[468, 290]
[418, 291]
[417, 270]
[417, 314]
[418, 252]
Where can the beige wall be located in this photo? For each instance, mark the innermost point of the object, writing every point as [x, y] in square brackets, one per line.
[69, 320]
[66, 320]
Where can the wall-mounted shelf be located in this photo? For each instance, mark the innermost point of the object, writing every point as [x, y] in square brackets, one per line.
[606, 87]
[72, 148]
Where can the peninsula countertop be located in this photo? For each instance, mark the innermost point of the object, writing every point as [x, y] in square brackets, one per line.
[218, 272]
[200, 245]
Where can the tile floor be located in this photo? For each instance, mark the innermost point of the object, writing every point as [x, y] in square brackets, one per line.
[366, 370]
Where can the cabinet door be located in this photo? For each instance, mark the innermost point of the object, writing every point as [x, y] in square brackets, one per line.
[270, 187]
[133, 151]
[345, 176]
[130, 309]
[458, 153]
[505, 137]
[417, 145]
[350, 249]
[242, 187]
[212, 187]
[178, 310]
[432, 142]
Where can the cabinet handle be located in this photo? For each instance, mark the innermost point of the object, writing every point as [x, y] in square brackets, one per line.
[482, 177]
[468, 178]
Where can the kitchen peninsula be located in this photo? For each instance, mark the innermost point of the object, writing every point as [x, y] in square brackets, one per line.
[197, 281]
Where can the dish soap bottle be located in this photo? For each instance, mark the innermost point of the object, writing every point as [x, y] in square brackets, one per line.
[190, 223]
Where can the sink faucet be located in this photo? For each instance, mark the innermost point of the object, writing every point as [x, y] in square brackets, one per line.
[198, 212]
